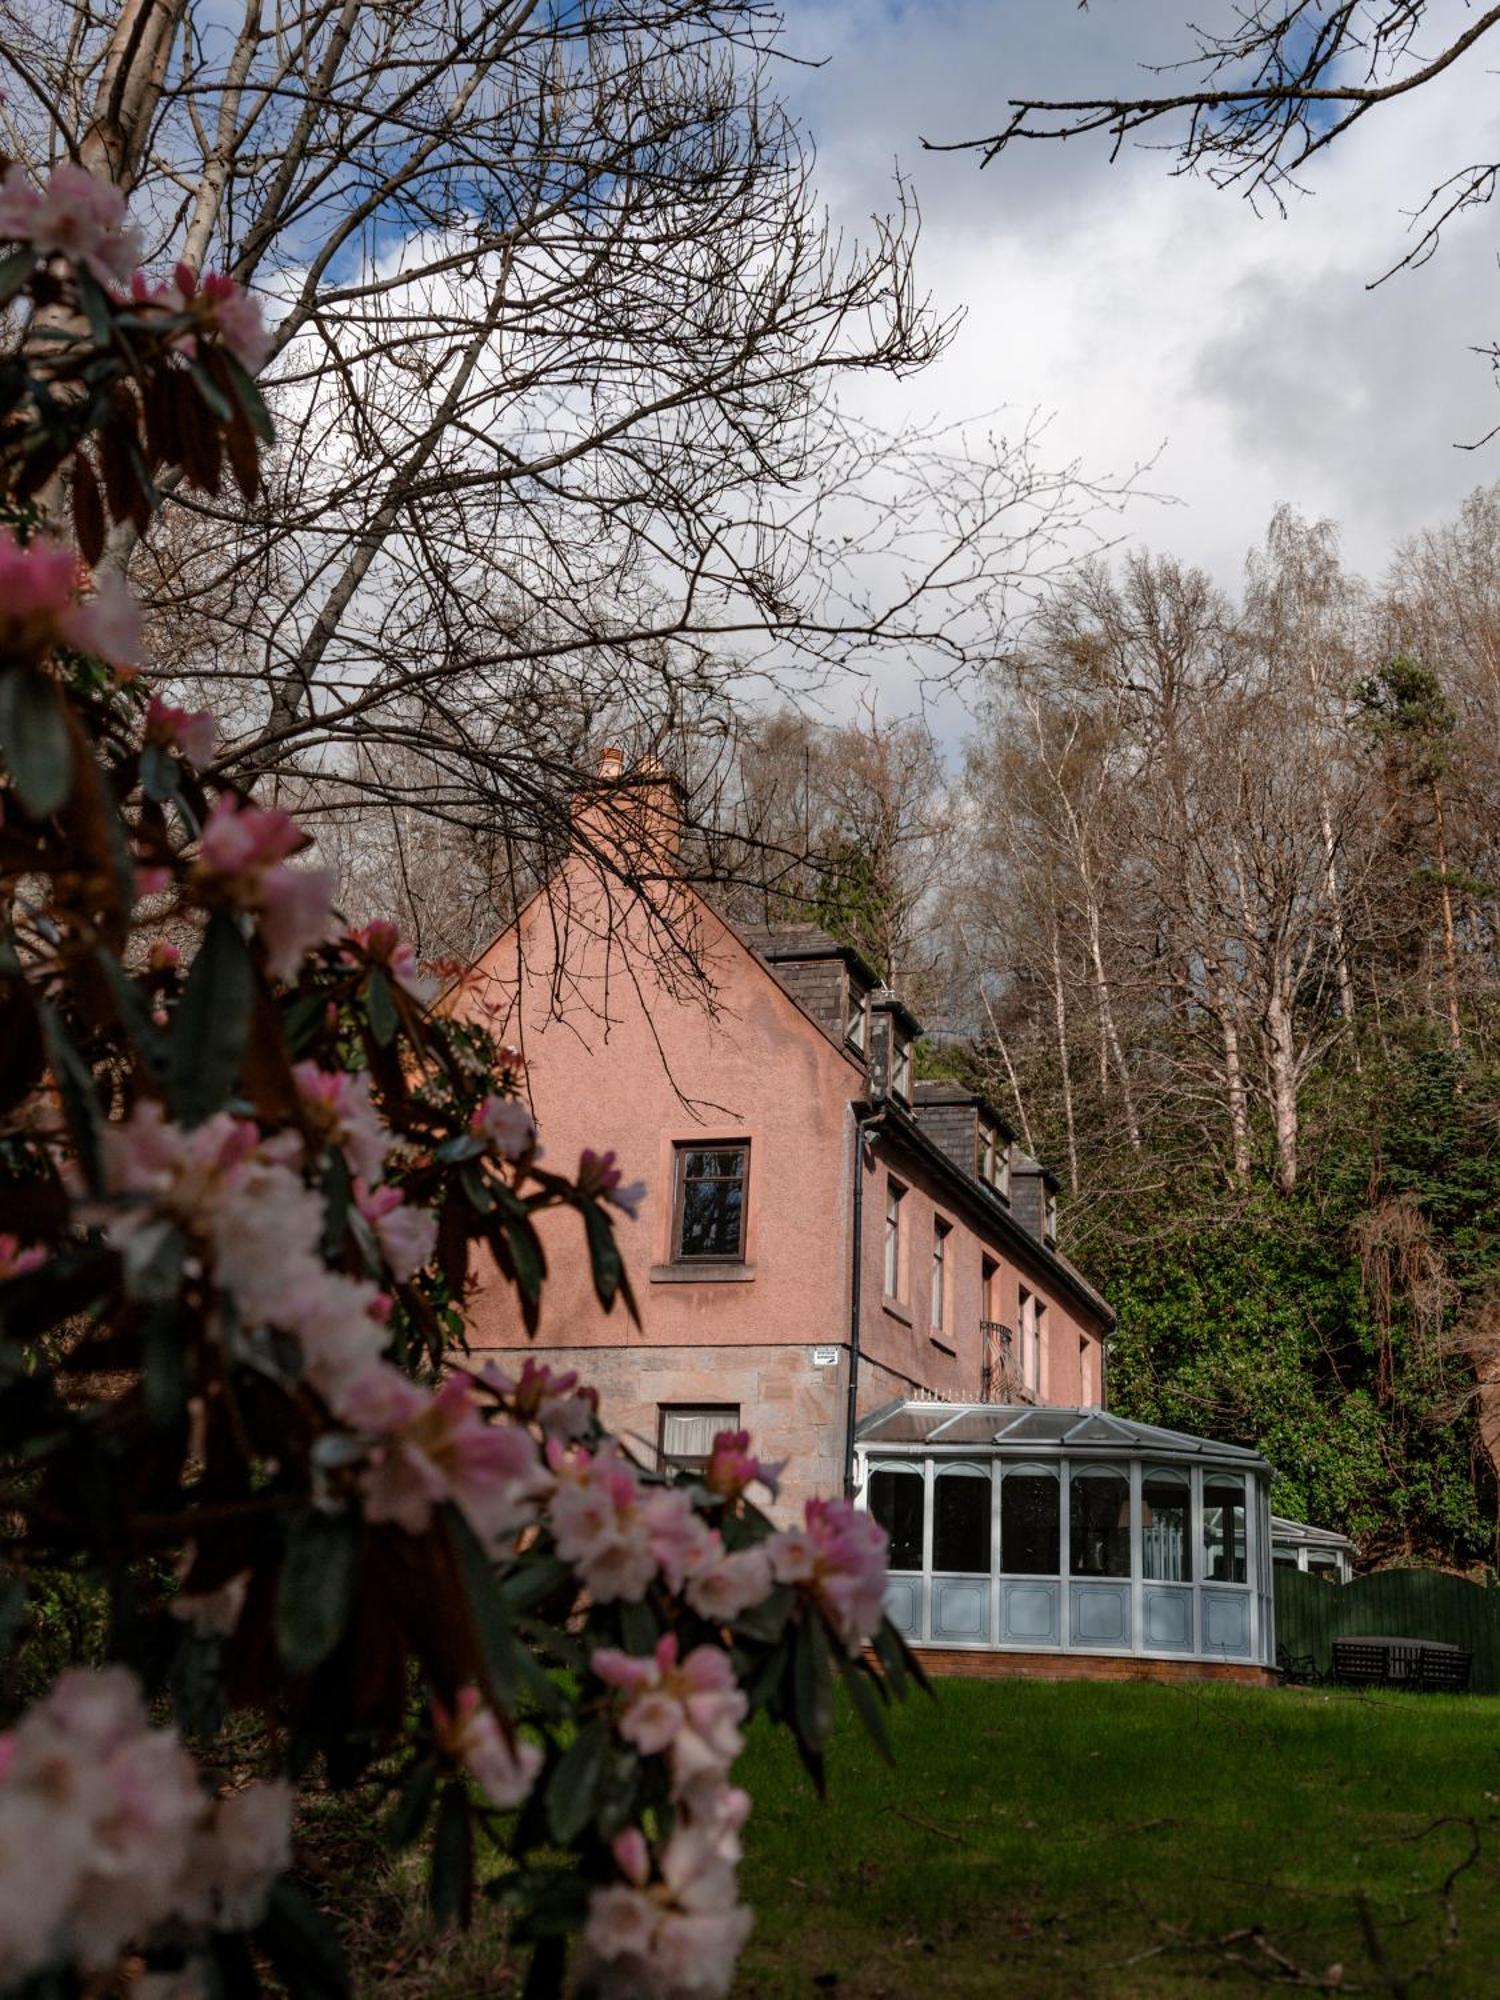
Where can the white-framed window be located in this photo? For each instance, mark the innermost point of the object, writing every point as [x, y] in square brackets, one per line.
[941, 1232]
[895, 1195]
[686, 1432]
[1049, 1214]
[859, 1019]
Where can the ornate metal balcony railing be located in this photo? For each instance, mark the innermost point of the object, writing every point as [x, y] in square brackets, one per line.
[999, 1375]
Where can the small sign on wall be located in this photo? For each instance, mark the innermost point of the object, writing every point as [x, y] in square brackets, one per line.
[825, 1357]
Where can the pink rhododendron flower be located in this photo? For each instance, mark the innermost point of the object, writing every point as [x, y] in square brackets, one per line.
[506, 1126]
[407, 1235]
[599, 1523]
[338, 1106]
[74, 216]
[384, 946]
[192, 731]
[687, 1710]
[236, 316]
[674, 1939]
[723, 1590]
[600, 1177]
[840, 1554]
[216, 304]
[259, 1225]
[238, 1855]
[104, 1831]
[505, 1769]
[39, 605]
[682, 1542]
[557, 1401]
[731, 1467]
[107, 625]
[241, 856]
[15, 1261]
[163, 956]
[438, 1446]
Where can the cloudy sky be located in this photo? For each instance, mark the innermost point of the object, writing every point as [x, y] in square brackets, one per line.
[1154, 316]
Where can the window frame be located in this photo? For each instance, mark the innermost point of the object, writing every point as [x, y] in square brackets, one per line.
[894, 1249]
[941, 1278]
[901, 1066]
[693, 1463]
[682, 1150]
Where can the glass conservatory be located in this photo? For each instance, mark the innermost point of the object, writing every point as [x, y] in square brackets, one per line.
[1069, 1531]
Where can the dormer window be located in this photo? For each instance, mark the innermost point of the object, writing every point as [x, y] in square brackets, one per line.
[858, 1036]
[901, 1071]
[1049, 1213]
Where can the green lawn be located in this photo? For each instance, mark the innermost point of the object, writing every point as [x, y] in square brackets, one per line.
[1044, 1839]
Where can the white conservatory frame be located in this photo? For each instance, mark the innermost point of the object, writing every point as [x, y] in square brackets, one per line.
[1158, 1617]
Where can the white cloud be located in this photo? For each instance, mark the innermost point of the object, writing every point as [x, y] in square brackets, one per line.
[1149, 311]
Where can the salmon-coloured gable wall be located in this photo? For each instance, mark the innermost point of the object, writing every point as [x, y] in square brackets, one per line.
[617, 1058]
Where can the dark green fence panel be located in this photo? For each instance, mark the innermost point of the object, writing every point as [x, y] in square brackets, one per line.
[1396, 1603]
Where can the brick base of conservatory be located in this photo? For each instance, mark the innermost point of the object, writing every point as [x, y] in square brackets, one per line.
[975, 1664]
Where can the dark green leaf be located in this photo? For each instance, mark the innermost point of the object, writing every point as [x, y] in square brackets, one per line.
[229, 1969]
[767, 1620]
[315, 1595]
[413, 1804]
[302, 1948]
[536, 1577]
[95, 306]
[212, 1022]
[135, 1015]
[302, 1018]
[380, 1006]
[34, 739]
[12, 1609]
[574, 1786]
[639, 1630]
[526, 1249]
[164, 1355]
[337, 1198]
[14, 271]
[75, 1084]
[159, 772]
[251, 401]
[604, 1257]
[866, 1702]
[492, 1628]
[450, 1886]
[211, 393]
[812, 1681]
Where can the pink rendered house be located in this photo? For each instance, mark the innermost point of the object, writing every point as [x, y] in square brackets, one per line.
[821, 1236]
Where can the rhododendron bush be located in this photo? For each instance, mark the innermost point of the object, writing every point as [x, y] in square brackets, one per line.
[243, 1178]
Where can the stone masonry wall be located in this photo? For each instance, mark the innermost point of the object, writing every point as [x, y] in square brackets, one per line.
[792, 1407]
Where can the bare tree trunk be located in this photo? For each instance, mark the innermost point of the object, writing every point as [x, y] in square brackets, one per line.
[1110, 1031]
[1234, 1079]
[1340, 936]
[1450, 945]
[1060, 1015]
[1281, 1065]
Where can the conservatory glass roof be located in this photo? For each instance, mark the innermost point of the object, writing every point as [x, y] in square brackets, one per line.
[1004, 1427]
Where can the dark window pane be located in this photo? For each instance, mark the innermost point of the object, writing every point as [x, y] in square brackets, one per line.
[712, 1202]
[897, 1502]
[1166, 1550]
[1223, 1531]
[1099, 1510]
[1028, 1524]
[961, 1524]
